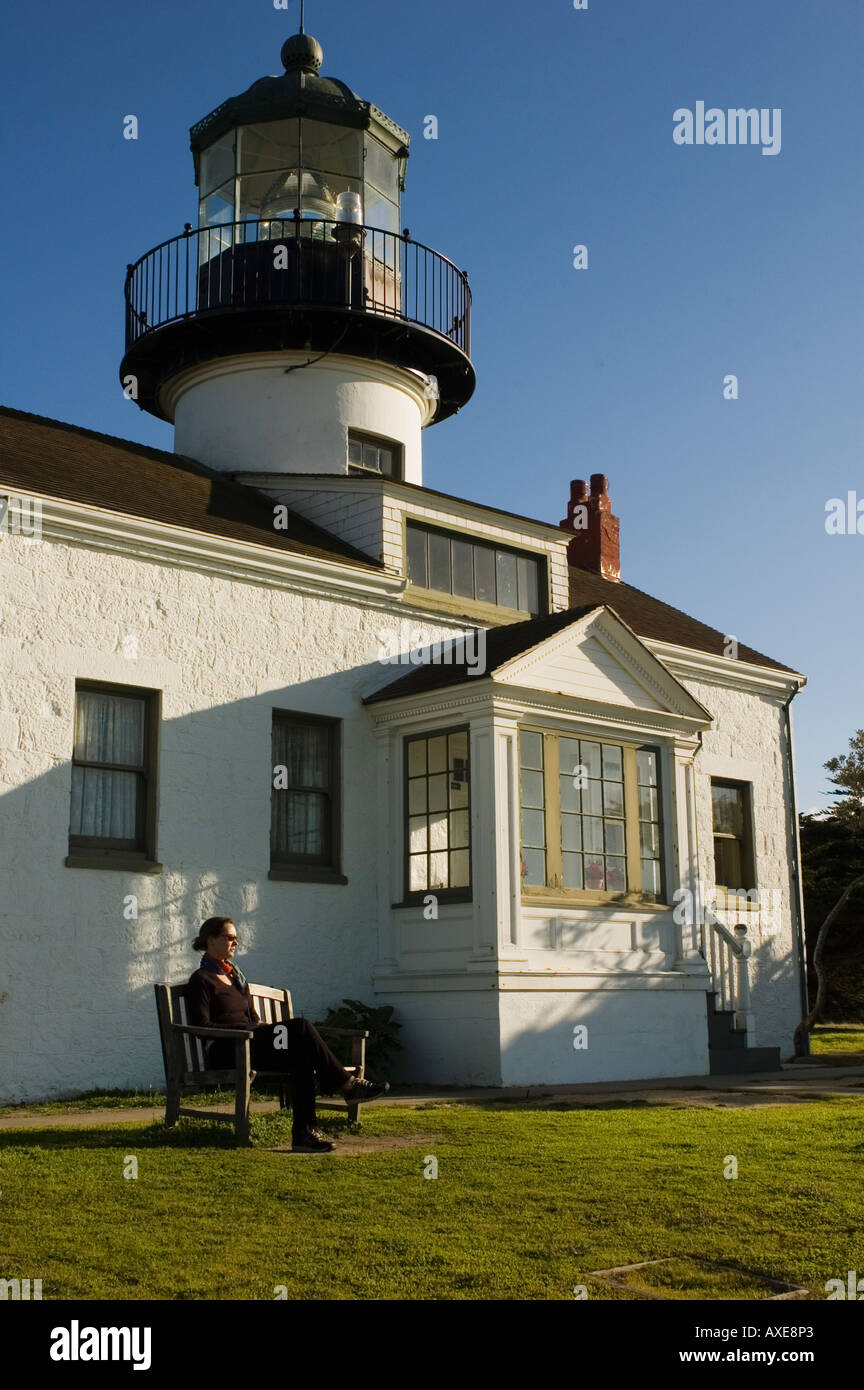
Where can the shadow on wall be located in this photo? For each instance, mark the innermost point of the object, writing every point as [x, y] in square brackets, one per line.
[83, 947]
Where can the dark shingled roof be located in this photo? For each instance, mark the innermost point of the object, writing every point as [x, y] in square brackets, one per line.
[78, 465]
[657, 621]
[648, 617]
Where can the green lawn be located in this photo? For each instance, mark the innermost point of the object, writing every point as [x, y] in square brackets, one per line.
[526, 1203]
[840, 1037]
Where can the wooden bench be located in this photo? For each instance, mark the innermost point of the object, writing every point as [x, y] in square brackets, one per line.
[186, 1070]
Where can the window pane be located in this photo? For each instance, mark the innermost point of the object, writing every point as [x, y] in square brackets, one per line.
[728, 809]
[614, 837]
[508, 596]
[571, 797]
[438, 793]
[458, 745]
[646, 768]
[592, 834]
[104, 803]
[650, 876]
[484, 573]
[590, 756]
[592, 799]
[526, 571]
[370, 457]
[531, 749]
[304, 749]
[108, 729]
[438, 870]
[460, 868]
[418, 838]
[533, 831]
[612, 767]
[438, 754]
[573, 873]
[355, 451]
[616, 876]
[417, 795]
[418, 572]
[300, 824]
[532, 788]
[439, 562]
[595, 875]
[335, 148]
[727, 864]
[458, 794]
[648, 809]
[381, 168]
[569, 755]
[217, 164]
[418, 872]
[459, 829]
[274, 145]
[417, 757]
[463, 568]
[535, 866]
[438, 831]
[613, 799]
[571, 832]
[649, 836]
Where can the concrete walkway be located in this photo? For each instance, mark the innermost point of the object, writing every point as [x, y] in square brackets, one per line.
[797, 1083]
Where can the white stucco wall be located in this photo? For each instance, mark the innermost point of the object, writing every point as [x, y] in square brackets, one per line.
[746, 745]
[241, 413]
[76, 978]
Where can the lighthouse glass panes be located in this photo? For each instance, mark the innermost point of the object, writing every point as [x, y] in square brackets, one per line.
[263, 173]
[438, 813]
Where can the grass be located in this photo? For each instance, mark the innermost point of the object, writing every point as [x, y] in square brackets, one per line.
[837, 1037]
[527, 1202]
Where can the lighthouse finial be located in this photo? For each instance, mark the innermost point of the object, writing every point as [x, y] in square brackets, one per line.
[302, 16]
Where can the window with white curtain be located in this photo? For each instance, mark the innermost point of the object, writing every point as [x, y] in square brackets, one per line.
[304, 820]
[113, 771]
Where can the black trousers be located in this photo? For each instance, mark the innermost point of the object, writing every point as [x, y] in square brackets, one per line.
[302, 1054]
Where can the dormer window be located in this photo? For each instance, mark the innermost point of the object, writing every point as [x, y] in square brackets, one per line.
[452, 562]
[369, 454]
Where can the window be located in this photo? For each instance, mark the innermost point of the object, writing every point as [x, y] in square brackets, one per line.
[112, 820]
[367, 454]
[438, 816]
[590, 817]
[478, 570]
[733, 843]
[304, 802]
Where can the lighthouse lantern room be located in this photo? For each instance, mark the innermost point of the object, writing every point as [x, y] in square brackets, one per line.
[299, 329]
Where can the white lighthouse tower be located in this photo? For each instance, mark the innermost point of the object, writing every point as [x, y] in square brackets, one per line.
[299, 330]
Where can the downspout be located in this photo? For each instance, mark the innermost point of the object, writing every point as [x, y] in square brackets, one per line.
[796, 873]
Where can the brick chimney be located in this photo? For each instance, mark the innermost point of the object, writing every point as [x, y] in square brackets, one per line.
[595, 530]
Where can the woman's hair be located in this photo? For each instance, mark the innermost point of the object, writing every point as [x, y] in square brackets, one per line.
[214, 926]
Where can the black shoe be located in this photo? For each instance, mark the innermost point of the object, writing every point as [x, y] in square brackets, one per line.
[358, 1090]
[310, 1141]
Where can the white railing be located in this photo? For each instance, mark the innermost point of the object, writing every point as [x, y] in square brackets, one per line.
[728, 956]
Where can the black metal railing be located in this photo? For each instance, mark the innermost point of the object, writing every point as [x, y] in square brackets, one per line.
[321, 264]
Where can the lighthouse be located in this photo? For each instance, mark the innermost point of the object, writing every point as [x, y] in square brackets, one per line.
[299, 329]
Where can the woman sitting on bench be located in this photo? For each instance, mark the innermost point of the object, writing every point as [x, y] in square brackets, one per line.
[218, 997]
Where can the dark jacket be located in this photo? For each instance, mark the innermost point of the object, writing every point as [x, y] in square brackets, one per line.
[211, 1005]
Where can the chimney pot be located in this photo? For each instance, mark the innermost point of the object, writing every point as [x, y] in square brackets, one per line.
[594, 542]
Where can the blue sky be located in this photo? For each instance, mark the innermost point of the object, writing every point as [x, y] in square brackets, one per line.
[555, 129]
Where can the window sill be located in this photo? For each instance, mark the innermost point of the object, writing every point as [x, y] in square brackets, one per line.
[470, 609]
[583, 898]
[442, 901]
[287, 874]
[123, 864]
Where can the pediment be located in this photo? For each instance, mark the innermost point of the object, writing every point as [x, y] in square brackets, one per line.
[599, 658]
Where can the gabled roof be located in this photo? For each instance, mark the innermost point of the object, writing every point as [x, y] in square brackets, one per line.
[454, 663]
[39, 455]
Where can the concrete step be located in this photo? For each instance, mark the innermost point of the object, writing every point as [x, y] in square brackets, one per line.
[728, 1061]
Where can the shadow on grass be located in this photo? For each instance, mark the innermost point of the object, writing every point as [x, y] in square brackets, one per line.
[265, 1130]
